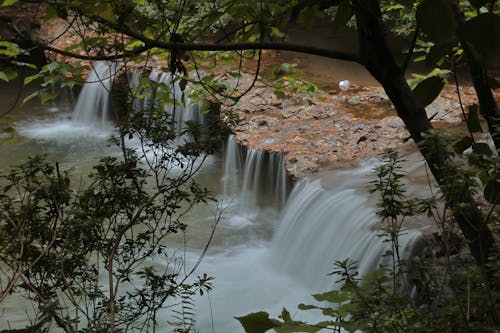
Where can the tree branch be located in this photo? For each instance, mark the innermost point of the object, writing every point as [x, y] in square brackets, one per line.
[333, 54]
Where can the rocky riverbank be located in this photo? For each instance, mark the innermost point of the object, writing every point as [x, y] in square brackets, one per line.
[334, 128]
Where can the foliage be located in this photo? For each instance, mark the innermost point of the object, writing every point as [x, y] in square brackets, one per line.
[428, 294]
[88, 256]
[185, 36]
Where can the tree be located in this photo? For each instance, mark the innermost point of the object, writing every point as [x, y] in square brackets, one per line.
[135, 30]
[86, 256]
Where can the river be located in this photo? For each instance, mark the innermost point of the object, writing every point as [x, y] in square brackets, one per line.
[273, 247]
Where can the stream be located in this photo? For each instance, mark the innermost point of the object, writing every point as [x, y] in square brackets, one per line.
[275, 244]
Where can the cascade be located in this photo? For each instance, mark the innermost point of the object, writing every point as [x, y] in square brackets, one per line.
[327, 218]
[182, 108]
[320, 226]
[92, 106]
[256, 178]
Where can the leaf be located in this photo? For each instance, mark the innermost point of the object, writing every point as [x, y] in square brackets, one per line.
[427, 90]
[492, 191]
[483, 33]
[482, 149]
[31, 78]
[134, 44]
[9, 49]
[344, 14]
[463, 144]
[182, 84]
[334, 296]
[50, 13]
[30, 97]
[437, 52]
[437, 20]
[9, 2]
[473, 123]
[4, 77]
[294, 326]
[285, 69]
[257, 322]
[302, 306]
[47, 97]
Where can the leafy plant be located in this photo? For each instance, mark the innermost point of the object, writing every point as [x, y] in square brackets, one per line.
[447, 292]
[86, 255]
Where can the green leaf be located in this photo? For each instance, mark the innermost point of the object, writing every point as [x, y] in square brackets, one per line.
[285, 315]
[302, 306]
[9, 2]
[133, 44]
[473, 123]
[437, 20]
[285, 69]
[47, 97]
[9, 49]
[344, 14]
[463, 144]
[50, 13]
[492, 191]
[257, 322]
[334, 296]
[31, 78]
[427, 90]
[294, 326]
[4, 77]
[277, 33]
[482, 149]
[8, 74]
[30, 97]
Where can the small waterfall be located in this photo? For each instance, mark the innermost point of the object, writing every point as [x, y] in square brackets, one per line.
[233, 164]
[320, 226]
[180, 106]
[256, 178]
[92, 106]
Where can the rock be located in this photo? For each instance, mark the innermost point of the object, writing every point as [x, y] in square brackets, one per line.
[361, 139]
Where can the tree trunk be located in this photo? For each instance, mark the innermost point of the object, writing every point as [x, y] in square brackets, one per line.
[379, 61]
[479, 74]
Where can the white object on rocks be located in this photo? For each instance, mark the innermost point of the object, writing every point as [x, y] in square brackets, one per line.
[344, 85]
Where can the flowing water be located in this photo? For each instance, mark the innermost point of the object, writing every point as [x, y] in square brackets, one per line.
[274, 246]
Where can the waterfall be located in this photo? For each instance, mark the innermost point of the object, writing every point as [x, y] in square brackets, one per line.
[180, 106]
[327, 218]
[92, 106]
[320, 226]
[254, 179]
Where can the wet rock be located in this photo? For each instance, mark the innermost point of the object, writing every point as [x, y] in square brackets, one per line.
[331, 129]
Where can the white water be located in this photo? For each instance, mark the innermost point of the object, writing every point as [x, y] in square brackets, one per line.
[267, 257]
[89, 121]
[182, 108]
[253, 180]
[317, 227]
[93, 105]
